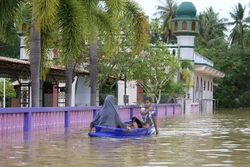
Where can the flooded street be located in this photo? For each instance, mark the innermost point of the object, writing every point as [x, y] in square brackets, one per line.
[207, 139]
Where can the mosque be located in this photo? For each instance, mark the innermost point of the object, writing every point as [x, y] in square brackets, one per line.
[186, 27]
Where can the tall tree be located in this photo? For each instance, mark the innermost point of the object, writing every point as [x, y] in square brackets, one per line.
[42, 14]
[211, 28]
[167, 12]
[132, 13]
[240, 24]
[157, 68]
[72, 19]
[102, 20]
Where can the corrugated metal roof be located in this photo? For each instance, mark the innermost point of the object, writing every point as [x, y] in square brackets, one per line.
[18, 61]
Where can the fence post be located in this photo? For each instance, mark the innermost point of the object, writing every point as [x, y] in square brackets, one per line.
[94, 113]
[131, 112]
[27, 121]
[156, 109]
[67, 119]
[166, 110]
[174, 109]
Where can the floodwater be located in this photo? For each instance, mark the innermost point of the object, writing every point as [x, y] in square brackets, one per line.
[206, 139]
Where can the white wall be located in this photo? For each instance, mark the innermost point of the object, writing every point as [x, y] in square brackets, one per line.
[73, 92]
[82, 95]
[205, 91]
[131, 91]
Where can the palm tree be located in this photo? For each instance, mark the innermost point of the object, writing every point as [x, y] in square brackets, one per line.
[10, 11]
[136, 21]
[211, 28]
[167, 12]
[240, 24]
[48, 17]
[101, 21]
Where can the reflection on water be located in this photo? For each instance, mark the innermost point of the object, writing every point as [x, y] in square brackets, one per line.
[219, 139]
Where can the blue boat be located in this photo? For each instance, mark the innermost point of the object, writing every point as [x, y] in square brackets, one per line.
[111, 132]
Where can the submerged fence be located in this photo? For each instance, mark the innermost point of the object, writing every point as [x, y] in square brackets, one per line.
[27, 119]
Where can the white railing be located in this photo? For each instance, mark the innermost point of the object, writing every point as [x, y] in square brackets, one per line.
[203, 60]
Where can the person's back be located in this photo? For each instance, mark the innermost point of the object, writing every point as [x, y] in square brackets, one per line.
[108, 115]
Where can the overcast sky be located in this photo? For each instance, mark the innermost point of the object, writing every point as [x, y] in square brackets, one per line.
[221, 6]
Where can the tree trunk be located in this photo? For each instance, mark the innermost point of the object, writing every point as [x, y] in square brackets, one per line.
[69, 77]
[93, 72]
[159, 97]
[35, 58]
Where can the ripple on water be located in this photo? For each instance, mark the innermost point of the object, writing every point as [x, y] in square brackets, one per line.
[215, 150]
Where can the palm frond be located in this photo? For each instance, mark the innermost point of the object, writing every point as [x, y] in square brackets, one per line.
[138, 24]
[71, 29]
[8, 18]
[115, 5]
[9, 10]
[106, 25]
[45, 12]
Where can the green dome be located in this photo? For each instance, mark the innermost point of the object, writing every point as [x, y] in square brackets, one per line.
[186, 10]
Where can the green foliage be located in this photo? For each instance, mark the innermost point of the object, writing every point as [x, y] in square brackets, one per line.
[9, 89]
[138, 25]
[107, 89]
[173, 90]
[240, 25]
[71, 23]
[211, 29]
[155, 68]
[128, 41]
[166, 13]
[45, 11]
[156, 31]
[10, 10]
[233, 89]
[8, 50]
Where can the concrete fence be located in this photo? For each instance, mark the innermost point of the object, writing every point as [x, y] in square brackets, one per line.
[27, 119]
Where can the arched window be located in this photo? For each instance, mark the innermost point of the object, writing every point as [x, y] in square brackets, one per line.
[176, 26]
[193, 26]
[208, 85]
[197, 85]
[184, 25]
[201, 85]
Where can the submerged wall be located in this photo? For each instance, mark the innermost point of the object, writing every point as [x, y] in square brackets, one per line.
[27, 119]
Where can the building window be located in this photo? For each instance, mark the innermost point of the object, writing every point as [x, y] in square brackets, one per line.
[204, 84]
[193, 26]
[184, 25]
[211, 86]
[201, 85]
[176, 26]
[208, 85]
